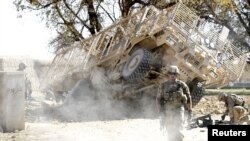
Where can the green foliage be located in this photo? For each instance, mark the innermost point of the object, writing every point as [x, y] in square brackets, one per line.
[77, 19]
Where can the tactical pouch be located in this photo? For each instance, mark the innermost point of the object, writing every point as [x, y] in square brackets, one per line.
[180, 97]
[168, 97]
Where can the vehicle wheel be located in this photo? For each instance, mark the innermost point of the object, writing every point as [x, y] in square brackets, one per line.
[197, 91]
[197, 94]
[137, 65]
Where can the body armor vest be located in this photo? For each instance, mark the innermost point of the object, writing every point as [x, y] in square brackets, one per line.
[173, 93]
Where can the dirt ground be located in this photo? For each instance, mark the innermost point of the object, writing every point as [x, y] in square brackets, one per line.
[210, 105]
[122, 130]
[39, 128]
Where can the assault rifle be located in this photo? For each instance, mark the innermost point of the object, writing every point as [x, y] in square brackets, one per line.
[204, 121]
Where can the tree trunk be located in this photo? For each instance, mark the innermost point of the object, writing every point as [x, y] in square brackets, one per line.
[93, 18]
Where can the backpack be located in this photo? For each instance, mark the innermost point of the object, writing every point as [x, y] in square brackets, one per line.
[238, 101]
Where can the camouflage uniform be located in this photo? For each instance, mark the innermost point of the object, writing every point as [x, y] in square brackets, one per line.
[171, 99]
[235, 108]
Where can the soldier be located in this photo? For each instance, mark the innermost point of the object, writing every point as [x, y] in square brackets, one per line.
[172, 97]
[234, 108]
[28, 90]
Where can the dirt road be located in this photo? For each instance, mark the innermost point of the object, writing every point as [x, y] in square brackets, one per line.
[120, 130]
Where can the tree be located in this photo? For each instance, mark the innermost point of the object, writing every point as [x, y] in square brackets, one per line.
[233, 14]
[69, 18]
[75, 20]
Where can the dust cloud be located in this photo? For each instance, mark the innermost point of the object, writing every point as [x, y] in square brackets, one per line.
[96, 98]
[93, 109]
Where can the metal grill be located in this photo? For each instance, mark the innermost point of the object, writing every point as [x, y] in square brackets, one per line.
[55, 70]
[78, 55]
[151, 12]
[91, 50]
[189, 28]
[188, 23]
[233, 60]
[185, 19]
[162, 20]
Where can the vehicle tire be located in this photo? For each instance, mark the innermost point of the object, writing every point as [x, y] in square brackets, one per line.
[137, 65]
[197, 91]
[197, 94]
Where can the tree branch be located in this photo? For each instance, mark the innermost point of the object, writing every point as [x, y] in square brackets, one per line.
[107, 13]
[82, 22]
[120, 5]
[69, 25]
[236, 10]
[243, 23]
[114, 10]
[93, 18]
[47, 5]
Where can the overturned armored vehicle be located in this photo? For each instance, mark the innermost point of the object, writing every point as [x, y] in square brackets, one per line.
[136, 51]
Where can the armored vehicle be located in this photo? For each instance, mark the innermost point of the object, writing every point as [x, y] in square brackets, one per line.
[136, 51]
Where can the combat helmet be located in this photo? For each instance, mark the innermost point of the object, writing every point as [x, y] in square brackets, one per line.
[21, 66]
[174, 70]
[221, 96]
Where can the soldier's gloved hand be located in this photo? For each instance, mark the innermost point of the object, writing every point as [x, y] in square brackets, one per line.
[223, 117]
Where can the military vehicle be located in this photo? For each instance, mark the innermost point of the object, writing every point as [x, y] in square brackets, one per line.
[136, 51]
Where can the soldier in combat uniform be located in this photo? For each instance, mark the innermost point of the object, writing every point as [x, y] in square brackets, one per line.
[172, 97]
[235, 108]
[28, 89]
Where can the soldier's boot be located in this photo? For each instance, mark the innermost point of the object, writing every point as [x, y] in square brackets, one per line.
[245, 119]
[238, 113]
[231, 121]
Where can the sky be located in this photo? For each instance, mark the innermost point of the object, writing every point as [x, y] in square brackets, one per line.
[26, 36]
